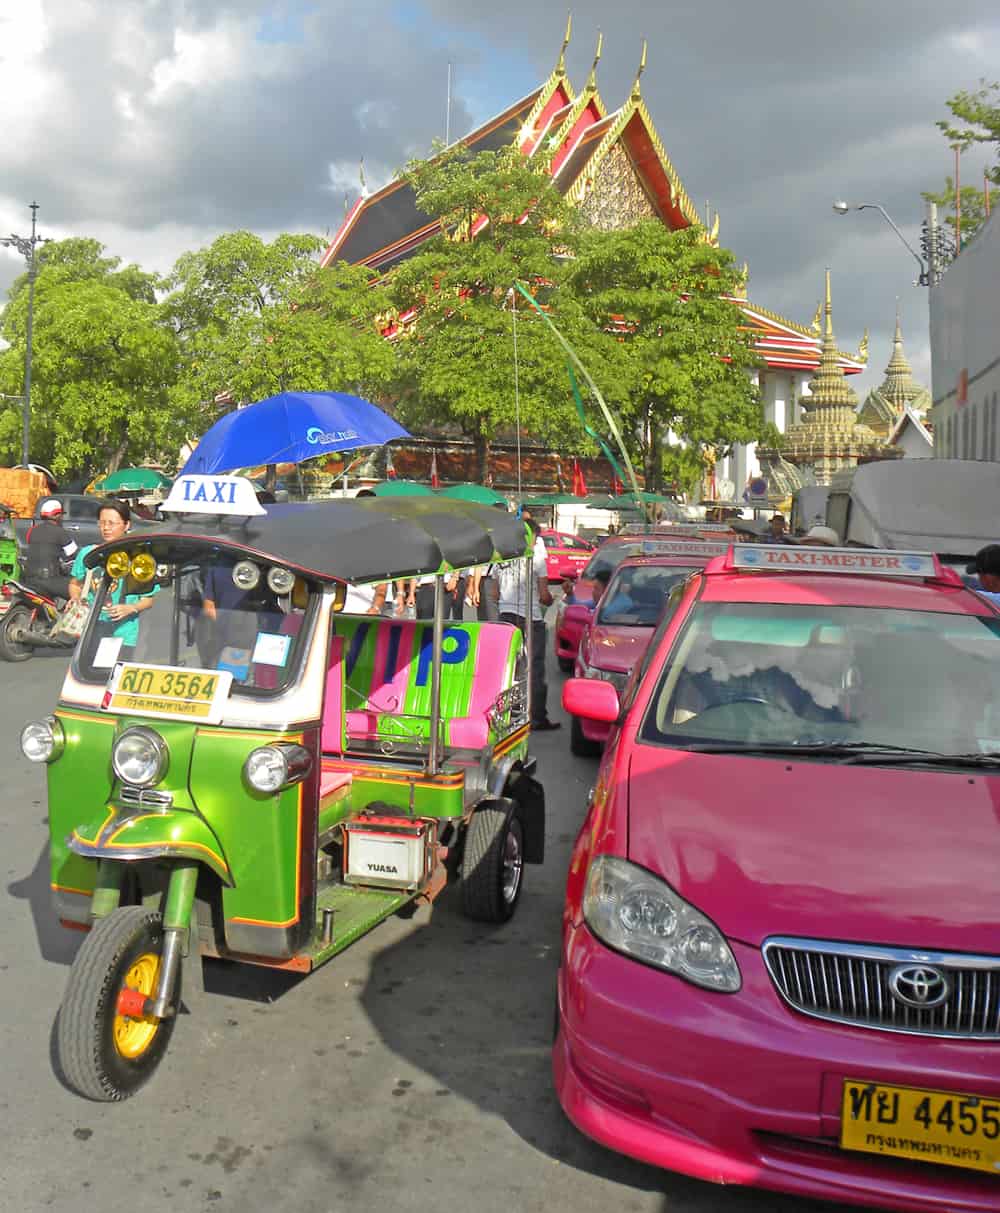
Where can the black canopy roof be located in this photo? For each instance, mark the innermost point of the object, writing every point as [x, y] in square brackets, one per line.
[352, 540]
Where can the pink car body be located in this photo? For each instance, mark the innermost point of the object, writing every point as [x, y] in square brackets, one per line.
[565, 555]
[578, 604]
[609, 650]
[819, 873]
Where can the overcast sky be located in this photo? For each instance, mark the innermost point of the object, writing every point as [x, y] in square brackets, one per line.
[154, 125]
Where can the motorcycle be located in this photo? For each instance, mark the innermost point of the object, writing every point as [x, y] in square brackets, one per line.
[28, 621]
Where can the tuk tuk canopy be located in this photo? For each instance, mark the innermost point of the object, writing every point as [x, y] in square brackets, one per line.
[353, 540]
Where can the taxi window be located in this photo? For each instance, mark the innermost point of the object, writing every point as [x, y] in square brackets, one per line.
[635, 595]
[640, 669]
[782, 674]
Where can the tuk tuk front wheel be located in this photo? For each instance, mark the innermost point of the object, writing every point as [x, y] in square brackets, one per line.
[16, 621]
[492, 865]
[107, 1047]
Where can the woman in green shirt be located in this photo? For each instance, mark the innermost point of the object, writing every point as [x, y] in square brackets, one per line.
[123, 606]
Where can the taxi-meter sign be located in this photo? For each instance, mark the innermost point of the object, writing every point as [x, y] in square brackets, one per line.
[788, 559]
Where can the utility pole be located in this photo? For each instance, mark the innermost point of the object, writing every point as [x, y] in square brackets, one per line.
[27, 248]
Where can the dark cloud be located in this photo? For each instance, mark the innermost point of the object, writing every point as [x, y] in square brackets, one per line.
[178, 119]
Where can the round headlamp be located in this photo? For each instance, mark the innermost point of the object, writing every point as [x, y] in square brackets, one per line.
[246, 575]
[280, 581]
[273, 767]
[118, 564]
[139, 757]
[143, 567]
[42, 740]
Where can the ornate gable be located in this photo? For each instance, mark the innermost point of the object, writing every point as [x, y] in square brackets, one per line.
[616, 197]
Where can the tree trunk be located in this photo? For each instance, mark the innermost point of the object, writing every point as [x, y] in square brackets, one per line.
[482, 456]
[117, 455]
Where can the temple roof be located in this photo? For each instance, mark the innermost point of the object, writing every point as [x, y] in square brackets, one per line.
[885, 405]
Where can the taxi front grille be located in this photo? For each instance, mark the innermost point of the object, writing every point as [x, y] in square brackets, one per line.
[876, 987]
[146, 798]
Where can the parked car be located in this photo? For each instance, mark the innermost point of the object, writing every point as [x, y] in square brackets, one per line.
[619, 629]
[565, 554]
[780, 959]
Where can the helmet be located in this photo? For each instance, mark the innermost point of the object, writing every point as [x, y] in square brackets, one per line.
[50, 509]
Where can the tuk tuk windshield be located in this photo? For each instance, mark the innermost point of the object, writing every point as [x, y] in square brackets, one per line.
[197, 616]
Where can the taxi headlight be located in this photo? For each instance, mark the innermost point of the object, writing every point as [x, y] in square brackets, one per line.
[617, 678]
[139, 757]
[637, 913]
[43, 740]
[118, 564]
[273, 767]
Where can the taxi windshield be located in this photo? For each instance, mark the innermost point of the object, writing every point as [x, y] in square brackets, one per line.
[635, 596]
[606, 559]
[197, 616]
[746, 674]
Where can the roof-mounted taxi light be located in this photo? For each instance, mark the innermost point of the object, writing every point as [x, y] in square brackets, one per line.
[143, 567]
[792, 558]
[118, 564]
[212, 494]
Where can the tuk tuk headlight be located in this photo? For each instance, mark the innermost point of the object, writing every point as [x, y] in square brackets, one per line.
[246, 575]
[274, 767]
[143, 567]
[118, 564]
[139, 757]
[281, 581]
[43, 740]
[635, 912]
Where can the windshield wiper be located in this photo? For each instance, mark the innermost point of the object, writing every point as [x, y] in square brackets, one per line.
[850, 752]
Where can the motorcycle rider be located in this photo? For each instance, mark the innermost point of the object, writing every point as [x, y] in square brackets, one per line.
[51, 549]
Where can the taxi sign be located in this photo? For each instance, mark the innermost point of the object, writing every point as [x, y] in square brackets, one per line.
[787, 558]
[167, 692]
[196, 493]
[686, 547]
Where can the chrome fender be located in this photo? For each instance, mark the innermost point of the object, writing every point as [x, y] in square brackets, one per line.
[130, 834]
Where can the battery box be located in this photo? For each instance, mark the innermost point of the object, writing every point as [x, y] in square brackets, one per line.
[391, 852]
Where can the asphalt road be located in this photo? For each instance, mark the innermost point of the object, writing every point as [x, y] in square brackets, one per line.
[411, 1072]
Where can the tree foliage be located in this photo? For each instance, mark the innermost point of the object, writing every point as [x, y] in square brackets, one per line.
[501, 221]
[662, 303]
[103, 363]
[974, 122]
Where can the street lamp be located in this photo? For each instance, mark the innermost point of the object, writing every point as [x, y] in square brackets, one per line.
[26, 247]
[843, 207]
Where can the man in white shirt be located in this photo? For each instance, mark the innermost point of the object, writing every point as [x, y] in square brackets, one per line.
[513, 609]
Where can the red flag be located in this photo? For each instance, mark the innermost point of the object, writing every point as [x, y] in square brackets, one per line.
[435, 480]
[390, 467]
[579, 484]
[617, 488]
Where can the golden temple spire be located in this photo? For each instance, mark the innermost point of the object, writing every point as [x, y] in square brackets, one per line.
[592, 78]
[898, 386]
[815, 326]
[828, 309]
[636, 90]
[561, 65]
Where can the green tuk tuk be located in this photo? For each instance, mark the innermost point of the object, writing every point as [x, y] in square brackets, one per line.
[10, 564]
[238, 768]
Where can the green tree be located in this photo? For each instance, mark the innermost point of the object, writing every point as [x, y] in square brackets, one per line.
[501, 220]
[254, 319]
[103, 363]
[974, 122]
[661, 302]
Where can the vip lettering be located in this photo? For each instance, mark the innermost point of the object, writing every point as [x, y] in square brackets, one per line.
[386, 869]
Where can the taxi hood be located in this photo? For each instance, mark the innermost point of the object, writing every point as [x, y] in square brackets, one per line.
[901, 856]
[617, 648]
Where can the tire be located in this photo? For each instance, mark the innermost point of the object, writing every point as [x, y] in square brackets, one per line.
[106, 1056]
[492, 865]
[565, 664]
[10, 649]
[580, 745]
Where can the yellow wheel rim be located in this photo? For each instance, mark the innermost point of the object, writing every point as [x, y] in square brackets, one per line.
[133, 1036]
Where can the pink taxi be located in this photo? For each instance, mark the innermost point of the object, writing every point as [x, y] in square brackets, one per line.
[565, 554]
[781, 941]
[619, 628]
[579, 599]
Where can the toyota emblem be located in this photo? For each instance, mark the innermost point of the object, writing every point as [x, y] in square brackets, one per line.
[919, 986]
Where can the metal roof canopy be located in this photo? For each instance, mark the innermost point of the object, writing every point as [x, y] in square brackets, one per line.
[350, 540]
[941, 505]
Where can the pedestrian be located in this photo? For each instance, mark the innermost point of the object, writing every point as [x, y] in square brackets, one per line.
[776, 532]
[51, 549]
[984, 573]
[513, 609]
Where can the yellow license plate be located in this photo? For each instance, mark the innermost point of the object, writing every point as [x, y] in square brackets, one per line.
[948, 1127]
[150, 690]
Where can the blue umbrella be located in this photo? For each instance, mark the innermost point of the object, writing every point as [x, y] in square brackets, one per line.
[290, 428]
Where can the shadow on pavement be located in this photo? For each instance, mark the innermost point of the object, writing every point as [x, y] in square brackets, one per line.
[56, 943]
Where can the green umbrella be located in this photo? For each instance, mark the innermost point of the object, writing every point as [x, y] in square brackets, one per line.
[601, 501]
[133, 480]
[402, 488]
[478, 493]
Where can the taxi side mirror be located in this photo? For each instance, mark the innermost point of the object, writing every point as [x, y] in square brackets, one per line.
[592, 699]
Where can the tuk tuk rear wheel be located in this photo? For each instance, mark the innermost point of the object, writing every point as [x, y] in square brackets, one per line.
[17, 619]
[492, 865]
[106, 1051]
